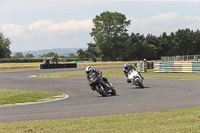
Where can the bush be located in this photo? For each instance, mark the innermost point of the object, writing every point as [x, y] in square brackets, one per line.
[18, 60]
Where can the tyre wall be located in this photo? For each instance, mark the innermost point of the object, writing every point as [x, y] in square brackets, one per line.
[177, 66]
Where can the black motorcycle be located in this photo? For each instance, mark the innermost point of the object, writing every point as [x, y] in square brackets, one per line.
[100, 85]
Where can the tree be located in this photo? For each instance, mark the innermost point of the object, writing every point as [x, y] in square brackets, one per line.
[110, 33]
[19, 55]
[185, 40]
[72, 55]
[197, 38]
[92, 51]
[84, 55]
[4, 46]
[173, 45]
[135, 50]
[50, 54]
[29, 55]
[81, 54]
[149, 51]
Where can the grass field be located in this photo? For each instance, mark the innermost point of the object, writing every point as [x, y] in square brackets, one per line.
[17, 96]
[176, 121]
[173, 121]
[4, 67]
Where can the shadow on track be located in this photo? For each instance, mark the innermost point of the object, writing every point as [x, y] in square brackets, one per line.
[145, 87]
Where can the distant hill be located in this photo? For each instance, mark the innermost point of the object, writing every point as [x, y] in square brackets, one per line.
[59, 51]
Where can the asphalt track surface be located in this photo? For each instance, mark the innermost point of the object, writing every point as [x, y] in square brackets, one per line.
[158, 95]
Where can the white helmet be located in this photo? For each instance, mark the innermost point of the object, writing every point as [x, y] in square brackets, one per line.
[126, 66]
[88, 70]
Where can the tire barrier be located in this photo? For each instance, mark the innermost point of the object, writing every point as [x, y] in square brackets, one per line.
[177, 66]
[141, 66]
[54, 66]
[150, 65]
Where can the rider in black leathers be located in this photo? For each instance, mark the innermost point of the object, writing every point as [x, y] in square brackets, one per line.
[89, 70]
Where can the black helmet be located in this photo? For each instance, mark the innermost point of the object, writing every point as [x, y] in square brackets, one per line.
[88, 70]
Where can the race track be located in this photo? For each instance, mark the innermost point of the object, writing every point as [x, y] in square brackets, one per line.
[158, 95]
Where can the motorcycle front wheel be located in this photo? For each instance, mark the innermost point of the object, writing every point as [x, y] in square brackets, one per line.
[139, 83]
[102, 91]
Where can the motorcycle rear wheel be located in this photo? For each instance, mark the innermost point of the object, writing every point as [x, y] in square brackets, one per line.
[113, 92]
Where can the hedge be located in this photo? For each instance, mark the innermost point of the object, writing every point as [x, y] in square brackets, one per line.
[17, 60]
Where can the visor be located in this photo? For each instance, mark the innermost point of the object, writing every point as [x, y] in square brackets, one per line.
[88, 72]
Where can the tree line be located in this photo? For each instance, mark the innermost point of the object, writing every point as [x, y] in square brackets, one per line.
[112, 42]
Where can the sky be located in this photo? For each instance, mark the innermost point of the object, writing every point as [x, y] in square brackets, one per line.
[46, 24]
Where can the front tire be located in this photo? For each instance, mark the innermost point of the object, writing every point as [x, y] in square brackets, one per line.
[141, 86]
[139, 83]
[102, 91]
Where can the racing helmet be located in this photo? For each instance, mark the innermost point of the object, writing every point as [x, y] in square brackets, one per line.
[126, 66]
[88, 70]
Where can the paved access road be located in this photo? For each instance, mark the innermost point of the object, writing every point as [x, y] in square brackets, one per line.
[158, 95]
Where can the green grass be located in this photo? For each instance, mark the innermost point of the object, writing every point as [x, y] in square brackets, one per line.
[119, 73]
[151, 74]
[177, 121]
[17, 96]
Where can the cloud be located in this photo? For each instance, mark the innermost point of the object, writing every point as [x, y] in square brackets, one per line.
[46, 28]
[72, 26]
[75, 33]
[166, 22]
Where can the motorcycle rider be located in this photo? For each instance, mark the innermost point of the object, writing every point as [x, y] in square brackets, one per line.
[127, 68]
[89, 70]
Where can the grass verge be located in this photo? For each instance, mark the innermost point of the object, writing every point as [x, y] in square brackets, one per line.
[17, 96]
[119, 73]
[176, 121]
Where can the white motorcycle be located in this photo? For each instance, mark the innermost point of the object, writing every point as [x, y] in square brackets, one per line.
[135, 78]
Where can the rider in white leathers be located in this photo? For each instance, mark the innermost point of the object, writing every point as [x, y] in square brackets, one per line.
[127, 68]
